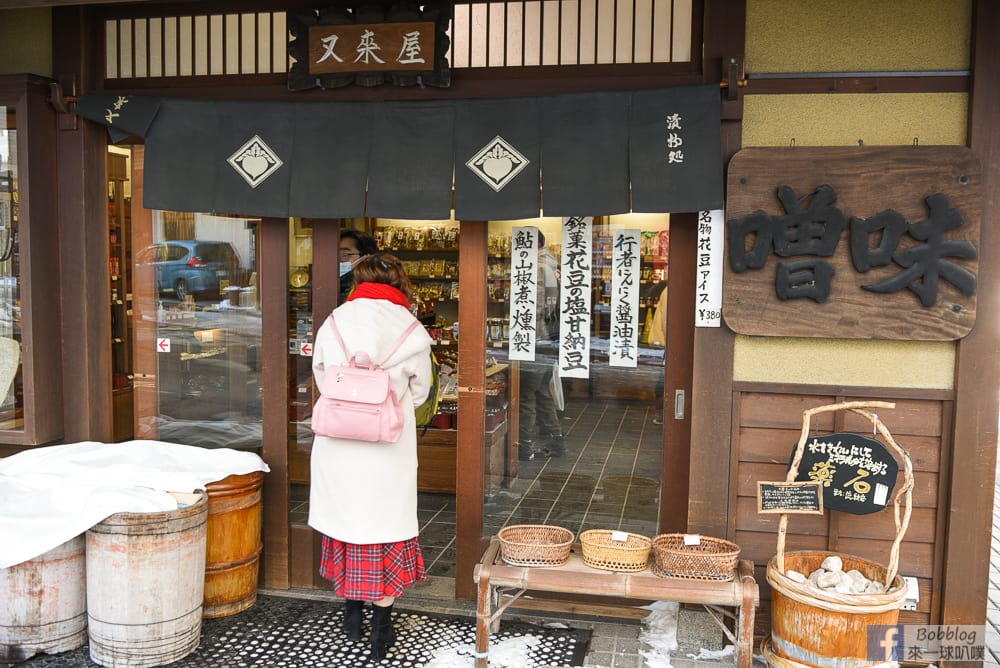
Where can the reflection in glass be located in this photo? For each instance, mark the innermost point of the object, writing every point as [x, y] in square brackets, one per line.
[11, 389]
[300, 383]
[197, 308]
[581, 452]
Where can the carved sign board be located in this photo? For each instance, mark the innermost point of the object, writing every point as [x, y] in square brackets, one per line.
[859, 242]
[857, 474]
[792, 498]
[369, 44]
[371, 47]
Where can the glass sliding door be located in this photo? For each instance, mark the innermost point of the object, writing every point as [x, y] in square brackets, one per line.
[575, 340]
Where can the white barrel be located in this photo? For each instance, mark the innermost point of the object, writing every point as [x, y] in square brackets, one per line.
[146, 583]
[43, 603]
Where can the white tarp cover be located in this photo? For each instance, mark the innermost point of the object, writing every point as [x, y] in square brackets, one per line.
[49, 495]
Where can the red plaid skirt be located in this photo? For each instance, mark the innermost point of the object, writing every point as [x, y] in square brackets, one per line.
[371, 572]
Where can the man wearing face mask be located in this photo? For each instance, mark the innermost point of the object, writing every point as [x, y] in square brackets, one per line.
[354, 245]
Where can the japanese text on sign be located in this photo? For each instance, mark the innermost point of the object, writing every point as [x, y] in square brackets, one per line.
[675, 139]
[372, 47]
[815, 230]
[523, 293]
[856, 473]
[575, 295]
[625, 275]
[708, 288]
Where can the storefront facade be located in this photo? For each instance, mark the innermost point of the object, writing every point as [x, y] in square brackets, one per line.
[730, 403]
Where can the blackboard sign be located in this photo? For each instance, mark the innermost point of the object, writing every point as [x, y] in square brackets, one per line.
[793, 498]
[857, 473]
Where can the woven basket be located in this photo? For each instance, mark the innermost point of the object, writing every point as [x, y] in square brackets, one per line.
[711, 559]
[535, 545]
[600, 551]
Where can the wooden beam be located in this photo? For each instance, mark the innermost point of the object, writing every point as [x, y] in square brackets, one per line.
[970, 512]
[712, 386]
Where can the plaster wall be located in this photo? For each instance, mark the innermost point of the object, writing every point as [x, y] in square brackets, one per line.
[858, 35]
[26, 41]
[839, 36]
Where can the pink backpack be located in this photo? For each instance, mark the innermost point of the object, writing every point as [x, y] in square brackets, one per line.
[356, 400]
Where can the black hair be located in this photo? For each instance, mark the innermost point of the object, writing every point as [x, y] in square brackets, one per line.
[365, 242]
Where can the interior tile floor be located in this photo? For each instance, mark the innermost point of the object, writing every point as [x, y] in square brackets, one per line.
[608, 479]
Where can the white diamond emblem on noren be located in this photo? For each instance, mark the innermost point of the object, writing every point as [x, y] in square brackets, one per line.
[255, 161]
[497, 163]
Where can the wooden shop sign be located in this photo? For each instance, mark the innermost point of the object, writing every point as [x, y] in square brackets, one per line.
[336, 47]
[792, 498]
[856, 473]
[860, 242]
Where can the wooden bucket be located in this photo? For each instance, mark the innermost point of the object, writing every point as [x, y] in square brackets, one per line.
[145, 584]
[234, 544]
[43, 603]
[826, 629]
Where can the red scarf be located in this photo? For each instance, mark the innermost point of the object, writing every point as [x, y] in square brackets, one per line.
[379, 291]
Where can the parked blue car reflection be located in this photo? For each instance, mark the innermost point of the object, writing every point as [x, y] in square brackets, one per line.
[189, 267]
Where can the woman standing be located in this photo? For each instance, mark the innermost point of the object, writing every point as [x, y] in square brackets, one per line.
[363, 496]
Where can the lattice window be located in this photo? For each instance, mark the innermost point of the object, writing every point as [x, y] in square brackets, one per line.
[516, 33]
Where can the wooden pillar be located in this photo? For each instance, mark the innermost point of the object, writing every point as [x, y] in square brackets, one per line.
[712, 386]
[83, 243]
[974, 456]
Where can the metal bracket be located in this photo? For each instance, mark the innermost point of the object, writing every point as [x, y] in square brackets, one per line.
[65, 105]
[733, 76]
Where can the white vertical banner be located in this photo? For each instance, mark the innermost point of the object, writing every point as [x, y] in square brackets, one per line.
[575, 280]
[626, 259]
[523, 317]
[708, 284]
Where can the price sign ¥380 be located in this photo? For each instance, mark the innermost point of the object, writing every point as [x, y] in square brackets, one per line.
[857, 473]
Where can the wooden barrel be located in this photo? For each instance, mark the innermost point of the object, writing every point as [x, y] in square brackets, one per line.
[774, 661]
[826, 629]
[43, 603]
[145, 584]
[234, 544]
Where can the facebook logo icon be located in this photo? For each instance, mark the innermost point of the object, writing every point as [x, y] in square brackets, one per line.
[885, 642]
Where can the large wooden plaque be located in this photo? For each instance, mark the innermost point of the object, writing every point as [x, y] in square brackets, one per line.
[909, 271]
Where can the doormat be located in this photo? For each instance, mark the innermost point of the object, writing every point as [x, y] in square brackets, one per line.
[289, 632]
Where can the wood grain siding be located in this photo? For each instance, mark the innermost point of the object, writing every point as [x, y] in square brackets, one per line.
[767, 420]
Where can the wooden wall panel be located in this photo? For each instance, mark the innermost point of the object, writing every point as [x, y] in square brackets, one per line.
[767, 426]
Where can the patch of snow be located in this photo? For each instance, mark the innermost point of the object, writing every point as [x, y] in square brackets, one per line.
[703, 653]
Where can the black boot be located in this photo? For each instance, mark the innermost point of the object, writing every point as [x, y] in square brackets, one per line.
[352, 619]
[383, 635]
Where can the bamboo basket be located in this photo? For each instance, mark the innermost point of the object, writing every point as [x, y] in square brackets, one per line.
[601, 551]
[535, 545]
[711, 559]
[816, 627]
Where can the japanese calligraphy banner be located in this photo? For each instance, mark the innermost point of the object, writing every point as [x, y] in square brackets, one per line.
[330, 169]
[124, 115]
[586, 170]
[523, 316]
[626, 259]
[214, 158]
[405, 159]
[855, 242]
[575, 281]
[406, 177]
[674, 144]
[708, 276]
[497, 157]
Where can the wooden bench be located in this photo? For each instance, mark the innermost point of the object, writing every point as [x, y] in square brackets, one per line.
[498, 581]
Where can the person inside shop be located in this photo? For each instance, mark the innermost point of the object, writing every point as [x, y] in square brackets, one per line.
[363, 495]
[354, 244]
[657, 338]
[540, 433]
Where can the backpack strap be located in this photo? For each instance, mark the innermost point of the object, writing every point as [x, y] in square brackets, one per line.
[395, 346]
